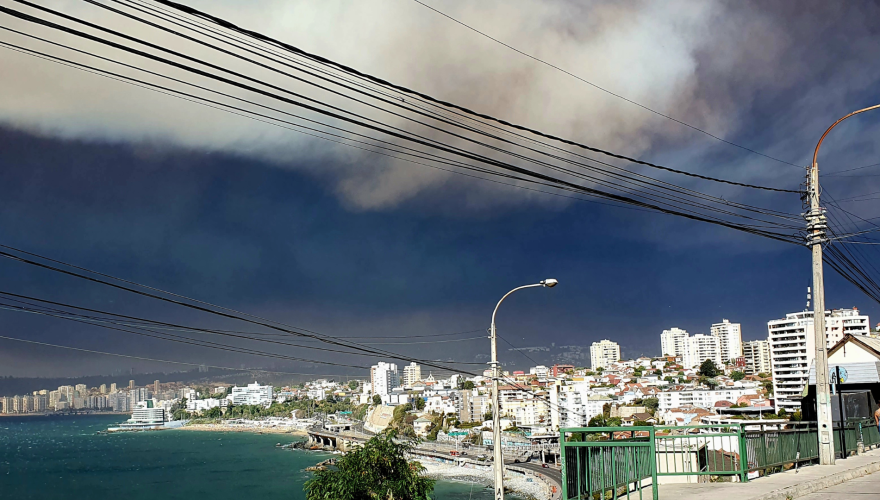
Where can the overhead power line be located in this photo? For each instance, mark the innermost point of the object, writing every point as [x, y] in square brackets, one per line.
[569, 186]
[231, 26]
[92, 351]
[607, 91]
[851, 170]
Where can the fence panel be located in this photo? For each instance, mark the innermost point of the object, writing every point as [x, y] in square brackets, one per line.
[775, 445]
[607, 462]
[699, 450]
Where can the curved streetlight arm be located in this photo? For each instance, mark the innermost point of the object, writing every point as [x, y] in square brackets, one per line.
[505, 296]
[816, 152]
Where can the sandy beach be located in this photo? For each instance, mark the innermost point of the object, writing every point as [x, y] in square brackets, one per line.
[243, 428]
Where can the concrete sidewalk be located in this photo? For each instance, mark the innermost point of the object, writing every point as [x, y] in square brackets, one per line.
[782, 486]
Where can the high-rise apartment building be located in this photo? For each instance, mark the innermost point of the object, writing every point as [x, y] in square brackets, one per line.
[701, 347]
[103, 389]
[113, 387]
[67, 392]
[757, 354]
[730, 336]
[41, 402]
[6, 404]
[139, 394]
[156, 387]
[673, 342]
[131, 384]
[792, 348]
[82, 389]
[603, 354]
[384, 377]
[411, 374]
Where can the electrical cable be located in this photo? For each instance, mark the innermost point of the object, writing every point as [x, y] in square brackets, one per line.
[603, 89]
[395, 130]
[164, 360]
[479, 159]
[576, 188]
[228, 25]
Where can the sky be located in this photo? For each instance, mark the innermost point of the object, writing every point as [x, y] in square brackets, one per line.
[241, 214]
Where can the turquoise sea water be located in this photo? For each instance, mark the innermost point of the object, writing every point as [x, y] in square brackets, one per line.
[62, 458]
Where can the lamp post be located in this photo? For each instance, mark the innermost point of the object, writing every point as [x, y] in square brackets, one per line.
[498, 458]
[816, 226]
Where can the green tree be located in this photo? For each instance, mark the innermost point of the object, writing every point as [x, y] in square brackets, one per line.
[353, 384]
[737, 375]
[708, 369]
[377, 399]
[468, 385]
[768, 386]
[378, 470]
[420, 403]
[651, 404]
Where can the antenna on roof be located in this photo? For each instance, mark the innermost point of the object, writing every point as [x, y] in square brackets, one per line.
[808, 297]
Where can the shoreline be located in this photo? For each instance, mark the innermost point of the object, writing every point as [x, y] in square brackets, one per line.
[484, 478]
[241, 428]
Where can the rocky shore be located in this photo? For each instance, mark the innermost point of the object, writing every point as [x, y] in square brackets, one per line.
[514, 482]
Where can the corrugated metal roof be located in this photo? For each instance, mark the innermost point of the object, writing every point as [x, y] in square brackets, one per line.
[856, 373]
[873, 343]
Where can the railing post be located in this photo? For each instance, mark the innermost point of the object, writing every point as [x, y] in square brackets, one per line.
[655, 491]
[743, 454]
[562, 460]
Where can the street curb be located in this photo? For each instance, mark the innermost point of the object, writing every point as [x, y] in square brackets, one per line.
[815, 485]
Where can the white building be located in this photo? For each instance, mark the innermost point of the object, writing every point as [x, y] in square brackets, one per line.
[197, 405]
[730, 336]
[701, 398]
[603, 354]
[701, 347]
[384, 378]
[411, 374]
[253, 394]
[757, 354]
[792, 348]
[673, 342]
[539, 371]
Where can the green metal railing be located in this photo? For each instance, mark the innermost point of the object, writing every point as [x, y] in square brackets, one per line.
[774, 445]
[601, 463]
[700, 450]
[607, 462]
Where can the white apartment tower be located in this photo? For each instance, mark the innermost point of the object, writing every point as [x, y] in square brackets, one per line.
[792, 348]
[701, 347]
[730, 335]
[384, 378]
[673, 342]
[411, 374]
[603, 354]
[757, 354]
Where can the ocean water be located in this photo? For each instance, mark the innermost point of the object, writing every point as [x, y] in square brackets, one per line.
[61, 458]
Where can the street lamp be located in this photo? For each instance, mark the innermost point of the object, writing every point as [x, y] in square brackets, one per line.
[498, 458]
[816, 227]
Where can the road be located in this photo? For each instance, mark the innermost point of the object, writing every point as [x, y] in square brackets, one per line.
[864, 487]
[553, 474]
